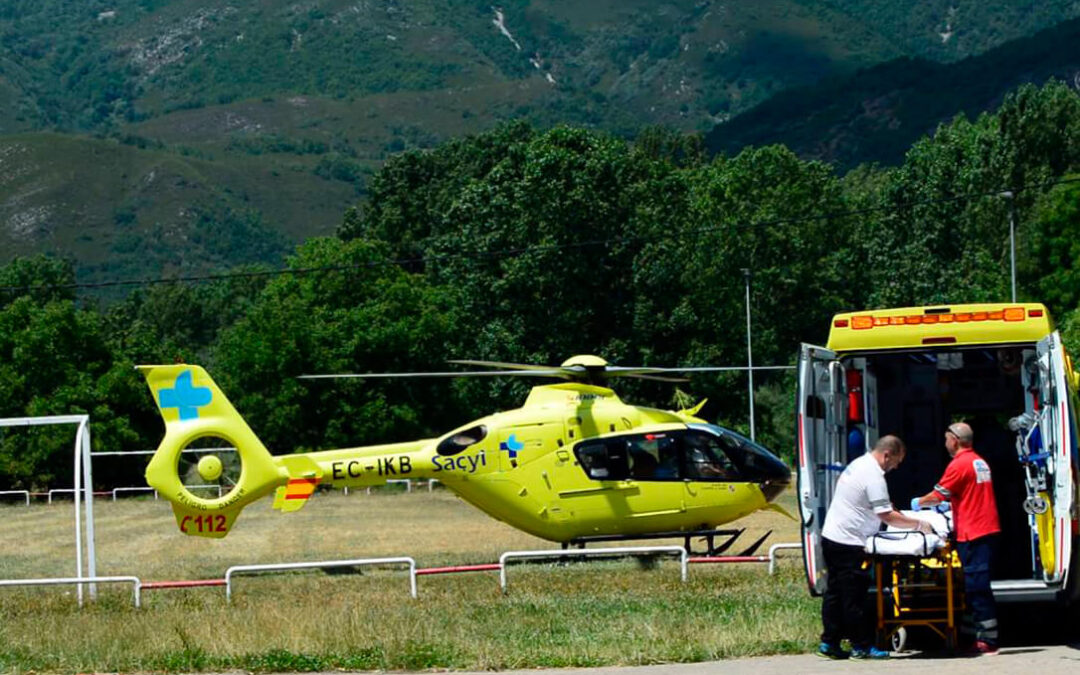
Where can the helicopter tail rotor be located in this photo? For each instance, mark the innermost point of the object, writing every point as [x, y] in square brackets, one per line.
[194, 408]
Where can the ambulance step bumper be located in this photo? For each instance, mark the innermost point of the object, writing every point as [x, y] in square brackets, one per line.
[1024, 590]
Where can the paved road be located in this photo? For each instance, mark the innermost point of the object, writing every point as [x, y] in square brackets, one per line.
[1054, 660]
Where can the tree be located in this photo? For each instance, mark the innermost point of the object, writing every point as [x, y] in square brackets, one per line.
[55, 361]
[944, 235]
[365, 315]
[41, 277]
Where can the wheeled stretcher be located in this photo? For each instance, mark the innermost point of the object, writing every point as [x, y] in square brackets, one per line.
[918, 582]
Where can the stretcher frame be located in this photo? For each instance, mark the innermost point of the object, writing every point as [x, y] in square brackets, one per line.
[922, 591]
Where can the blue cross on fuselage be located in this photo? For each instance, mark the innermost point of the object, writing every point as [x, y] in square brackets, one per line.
[186, 398]
[512, 445]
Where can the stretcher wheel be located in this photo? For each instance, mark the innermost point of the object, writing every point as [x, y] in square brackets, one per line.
[899, 639]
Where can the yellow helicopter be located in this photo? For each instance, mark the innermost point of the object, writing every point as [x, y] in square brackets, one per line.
[574, 464]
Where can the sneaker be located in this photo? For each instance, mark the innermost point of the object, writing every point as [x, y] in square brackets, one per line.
[828, 651]
[981, 648]
[869, 654]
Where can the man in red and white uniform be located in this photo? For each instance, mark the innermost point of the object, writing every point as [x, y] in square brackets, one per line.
[966, 485]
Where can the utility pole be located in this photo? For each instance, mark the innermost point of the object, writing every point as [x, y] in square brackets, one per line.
[1008, 194]
[749, 355]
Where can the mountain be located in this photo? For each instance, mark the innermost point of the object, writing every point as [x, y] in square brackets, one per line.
[151, 137]
[876, 114]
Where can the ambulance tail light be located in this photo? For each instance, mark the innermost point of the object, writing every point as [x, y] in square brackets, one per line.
[855, 399]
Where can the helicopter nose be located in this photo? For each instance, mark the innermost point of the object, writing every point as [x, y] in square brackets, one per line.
[760, 465]
[777, 479]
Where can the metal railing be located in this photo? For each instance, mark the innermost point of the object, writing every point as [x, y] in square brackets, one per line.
[283, 567]
[137, 585]
[630, 551]
[779, 547]
[69, 491]
[24, 493]
[634, 551]
[133, 489]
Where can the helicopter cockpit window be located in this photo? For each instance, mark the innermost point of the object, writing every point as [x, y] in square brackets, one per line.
[461, 440]
[705, 460]
[603, 459]
[654, 456]
[752, 461]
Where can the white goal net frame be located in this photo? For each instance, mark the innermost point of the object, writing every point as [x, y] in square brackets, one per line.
[84, 486]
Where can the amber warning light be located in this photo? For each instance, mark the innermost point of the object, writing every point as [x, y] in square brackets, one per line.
[867, 321]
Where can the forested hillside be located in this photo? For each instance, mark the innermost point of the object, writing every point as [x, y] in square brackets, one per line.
[876, 114]
[82, 65]
[148, 138]
[530, 245]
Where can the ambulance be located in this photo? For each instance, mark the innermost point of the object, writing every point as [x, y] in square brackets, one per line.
[1001, 368]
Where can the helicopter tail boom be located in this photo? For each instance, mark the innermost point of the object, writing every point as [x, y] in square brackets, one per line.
[193, 407]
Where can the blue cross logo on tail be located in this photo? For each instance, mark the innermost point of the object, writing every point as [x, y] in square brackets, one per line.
[187, 399]
[512, 445]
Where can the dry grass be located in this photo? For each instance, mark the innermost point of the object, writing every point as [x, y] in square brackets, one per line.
[612, 612]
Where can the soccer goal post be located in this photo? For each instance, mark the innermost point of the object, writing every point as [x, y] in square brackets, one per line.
[84, 484]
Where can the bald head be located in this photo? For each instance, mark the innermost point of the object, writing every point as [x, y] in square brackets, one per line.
[963, 433]
[958, 437]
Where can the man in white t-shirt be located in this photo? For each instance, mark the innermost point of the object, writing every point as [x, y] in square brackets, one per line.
[859, 506]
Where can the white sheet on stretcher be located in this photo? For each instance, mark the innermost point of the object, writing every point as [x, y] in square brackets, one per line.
[894, 541]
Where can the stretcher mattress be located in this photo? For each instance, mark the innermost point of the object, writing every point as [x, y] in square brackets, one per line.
[894, 541]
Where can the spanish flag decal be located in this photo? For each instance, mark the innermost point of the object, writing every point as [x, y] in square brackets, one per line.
[294, 494]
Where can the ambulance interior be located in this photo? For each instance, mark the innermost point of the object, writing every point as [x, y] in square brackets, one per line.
[917, 394]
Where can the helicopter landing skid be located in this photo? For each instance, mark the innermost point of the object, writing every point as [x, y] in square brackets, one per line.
[709, 536]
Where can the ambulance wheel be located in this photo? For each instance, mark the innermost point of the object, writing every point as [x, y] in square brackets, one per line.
[899, 639]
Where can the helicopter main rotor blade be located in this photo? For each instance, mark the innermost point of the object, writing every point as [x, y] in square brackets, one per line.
[654, 373]
[503, 364]
[623, 371]
[460, 373]
[717, 369]
[655, 378]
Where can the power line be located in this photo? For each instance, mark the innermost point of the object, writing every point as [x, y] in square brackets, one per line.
[509, 253]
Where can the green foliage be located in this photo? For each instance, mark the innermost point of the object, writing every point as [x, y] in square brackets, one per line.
[1052, 252]
[339, 167]
[528, 245]
[368, 316]
[54, 360]
[42, 278]
[877, 113]
[944, 217]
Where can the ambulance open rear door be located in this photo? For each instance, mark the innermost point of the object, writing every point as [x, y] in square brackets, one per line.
[1057, 426]
[822, 414]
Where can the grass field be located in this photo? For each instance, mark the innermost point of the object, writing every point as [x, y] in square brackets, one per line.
[604, 612]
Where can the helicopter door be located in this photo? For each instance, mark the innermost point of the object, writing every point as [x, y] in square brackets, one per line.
[1058, 430]
[822, 411]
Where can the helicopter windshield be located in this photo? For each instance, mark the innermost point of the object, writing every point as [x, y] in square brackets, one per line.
[754, 462]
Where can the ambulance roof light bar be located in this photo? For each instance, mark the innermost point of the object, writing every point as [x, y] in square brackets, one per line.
[937, 315]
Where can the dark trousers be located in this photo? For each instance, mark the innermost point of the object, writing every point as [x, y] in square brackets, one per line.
[977, 557]
[843, 611]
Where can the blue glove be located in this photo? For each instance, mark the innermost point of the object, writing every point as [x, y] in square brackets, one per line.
[915, 504]
[942, 507]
